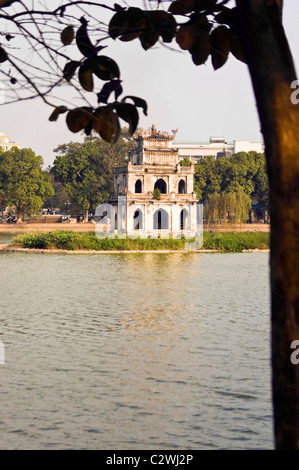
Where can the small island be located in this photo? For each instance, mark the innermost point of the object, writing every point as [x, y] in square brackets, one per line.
[69, 241]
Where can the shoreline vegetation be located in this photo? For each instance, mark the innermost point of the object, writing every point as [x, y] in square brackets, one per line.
[60, 240]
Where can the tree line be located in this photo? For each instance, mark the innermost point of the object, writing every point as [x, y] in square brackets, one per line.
[229, 188]
[24, 185]
[81, 178]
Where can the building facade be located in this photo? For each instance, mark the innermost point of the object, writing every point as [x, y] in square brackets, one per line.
[217, 146]
[153, 194]
[5, 142]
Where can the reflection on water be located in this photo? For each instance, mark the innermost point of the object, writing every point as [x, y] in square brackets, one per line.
[141, 351]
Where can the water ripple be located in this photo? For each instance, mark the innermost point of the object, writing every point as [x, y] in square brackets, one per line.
[135, 352]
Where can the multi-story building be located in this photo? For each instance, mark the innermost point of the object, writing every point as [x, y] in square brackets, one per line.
[5, 142]
[153, 192]
[217, 146]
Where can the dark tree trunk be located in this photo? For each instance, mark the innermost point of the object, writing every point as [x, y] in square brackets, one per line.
[272, 72]
[19, 217]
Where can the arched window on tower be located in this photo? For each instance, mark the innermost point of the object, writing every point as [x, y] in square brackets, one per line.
[182, 187]
[138, 187]
[138, 220]
[161, 185]
[161, 220]
[184, 219]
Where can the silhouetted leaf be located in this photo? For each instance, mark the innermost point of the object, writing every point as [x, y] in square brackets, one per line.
[128, 113]
[201, 48]
[139, 102]
[194, 32]
[236, 47]
[181, 7]
[85, 77]
[88, 128]
[70, 69]
[108, 88]
[6, 3]
[148, 39]
[185, 37]
[3, 55]
[103, 67]
[225, 16]
[201, 22]
[78, 119]
[118, 24]
[106, 123]
[118, 91]
[220, 40]
[57, 111]
[128, 24]
[83, 42]
[67, 35]
[163, 23]
[118, 7]
[203, 5]
[146, 25]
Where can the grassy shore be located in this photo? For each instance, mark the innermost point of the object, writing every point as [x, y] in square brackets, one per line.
[236, 241]
[64, 240]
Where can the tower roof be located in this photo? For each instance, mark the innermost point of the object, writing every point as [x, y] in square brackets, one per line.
[153, 133]
[154, 148]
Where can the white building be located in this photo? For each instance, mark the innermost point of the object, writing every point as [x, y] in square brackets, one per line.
[5, 142]
[154, 165]
[217, 146]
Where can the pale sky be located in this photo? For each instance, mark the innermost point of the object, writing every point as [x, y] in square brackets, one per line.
[198, 101]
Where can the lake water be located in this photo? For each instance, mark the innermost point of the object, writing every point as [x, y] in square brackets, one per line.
[135, 351]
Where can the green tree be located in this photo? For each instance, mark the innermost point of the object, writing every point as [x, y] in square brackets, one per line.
[211, 210]
[86, 170]
[207, 179]
[185, 162]
[222, 167]
[241, 173]
[227, 207]
[242, 207]
[261, 181]
[60, 199]
[157, 194]
[23, 182]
